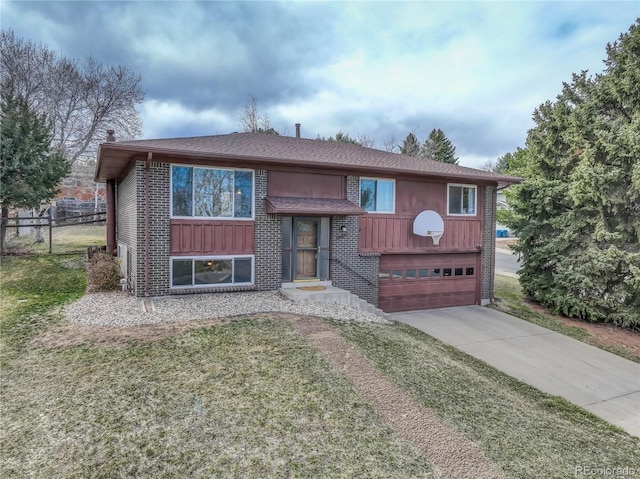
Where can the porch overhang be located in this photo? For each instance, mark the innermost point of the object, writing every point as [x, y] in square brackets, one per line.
[311, 206]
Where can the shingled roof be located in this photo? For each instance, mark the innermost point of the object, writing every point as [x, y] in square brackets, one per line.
[283, 150]
[318, 206]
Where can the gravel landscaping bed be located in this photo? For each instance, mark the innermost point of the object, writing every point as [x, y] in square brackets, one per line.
[121, 309]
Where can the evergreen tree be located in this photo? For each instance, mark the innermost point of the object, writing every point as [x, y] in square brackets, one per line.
[410, 146]
[340, 137]
[29, 169]
[577, 214]
[343, 138]
[439, 148]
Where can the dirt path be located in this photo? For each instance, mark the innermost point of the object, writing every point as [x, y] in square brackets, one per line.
[453, 455]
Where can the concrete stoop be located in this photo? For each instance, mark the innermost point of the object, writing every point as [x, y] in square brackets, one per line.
[330, 294]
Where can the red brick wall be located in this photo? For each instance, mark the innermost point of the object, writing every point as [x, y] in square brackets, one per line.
[80, 185]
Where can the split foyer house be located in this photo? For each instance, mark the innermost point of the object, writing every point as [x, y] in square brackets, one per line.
[251, 211]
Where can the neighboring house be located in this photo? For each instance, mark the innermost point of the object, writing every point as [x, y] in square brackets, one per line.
[250, 211]
[501, 201]
[501, 204]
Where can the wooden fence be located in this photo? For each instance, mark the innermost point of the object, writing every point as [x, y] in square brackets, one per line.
[47, 221]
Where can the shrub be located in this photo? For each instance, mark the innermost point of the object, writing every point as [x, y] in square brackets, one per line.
[103, 272]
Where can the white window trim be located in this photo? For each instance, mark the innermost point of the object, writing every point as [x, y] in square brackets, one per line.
[193, 194]
[212, 258]
[475, 197]
[392, 180]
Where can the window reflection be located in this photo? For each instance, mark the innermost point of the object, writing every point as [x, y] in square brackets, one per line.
[211, 192]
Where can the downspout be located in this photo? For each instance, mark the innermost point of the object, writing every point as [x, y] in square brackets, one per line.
[111, 216]
[147, 166]
[110, 192]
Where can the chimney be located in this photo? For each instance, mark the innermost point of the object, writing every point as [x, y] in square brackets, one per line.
[110, 137]
[297, 130]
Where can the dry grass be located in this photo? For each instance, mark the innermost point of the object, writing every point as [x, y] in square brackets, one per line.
[251, 398]
[525, 432]
[509, 298]
[65, 239]
[245, 399]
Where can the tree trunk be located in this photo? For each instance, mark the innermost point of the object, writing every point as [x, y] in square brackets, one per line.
[4, 218]
[39, 237]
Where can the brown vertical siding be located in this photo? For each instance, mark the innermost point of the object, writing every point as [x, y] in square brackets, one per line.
[305, 185]
[200, 237]
[412, 197]
[394, 233]
[391, 234]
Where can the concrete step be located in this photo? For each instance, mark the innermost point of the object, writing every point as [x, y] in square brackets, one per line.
[299, 284]
[330, 294]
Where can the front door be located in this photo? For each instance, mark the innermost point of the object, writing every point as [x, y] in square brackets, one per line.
[306, 247]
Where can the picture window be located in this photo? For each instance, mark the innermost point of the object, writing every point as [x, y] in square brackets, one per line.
[211, 192]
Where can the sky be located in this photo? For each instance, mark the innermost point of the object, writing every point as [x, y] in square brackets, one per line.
[476, 70]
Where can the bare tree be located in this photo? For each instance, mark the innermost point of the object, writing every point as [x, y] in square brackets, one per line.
[488, 165]
[366, 140]
[252, 121]
[81, 99]
[390, 144]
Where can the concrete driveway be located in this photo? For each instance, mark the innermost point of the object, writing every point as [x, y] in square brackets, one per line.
[600, 382]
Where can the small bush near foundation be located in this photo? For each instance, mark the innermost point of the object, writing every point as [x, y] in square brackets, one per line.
[103, 273]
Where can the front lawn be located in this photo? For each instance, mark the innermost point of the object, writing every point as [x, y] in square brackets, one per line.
[250, 398]
[247, 399]
[525, 432]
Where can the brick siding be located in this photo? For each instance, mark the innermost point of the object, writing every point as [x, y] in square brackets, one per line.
[268, 240]
[348, 269]
[488, 244]
[126, 224]
[159, 227]
[131, 217]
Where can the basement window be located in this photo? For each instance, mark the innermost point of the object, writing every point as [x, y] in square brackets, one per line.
[211, 271]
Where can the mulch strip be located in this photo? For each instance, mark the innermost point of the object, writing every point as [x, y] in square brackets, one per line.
[452, 454]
